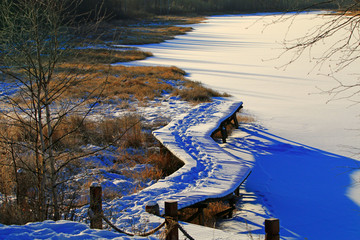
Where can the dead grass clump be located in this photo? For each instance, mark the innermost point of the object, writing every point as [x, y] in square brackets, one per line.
[132, 131]
[104, 56]
[166, 162]
[148, 30]
[209, 213]
[196, 92]
[128, 32]
[245, 119]
[148, 173]
[110, 194]
[119, 82]
[11, 213]
[19, 190]
[74, 132]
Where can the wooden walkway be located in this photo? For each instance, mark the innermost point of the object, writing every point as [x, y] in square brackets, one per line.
[209, 172]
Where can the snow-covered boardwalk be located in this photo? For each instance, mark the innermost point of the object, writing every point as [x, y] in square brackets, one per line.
[209, 171]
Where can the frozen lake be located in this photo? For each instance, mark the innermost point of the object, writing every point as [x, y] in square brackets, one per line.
[305, 168]
[239, 55]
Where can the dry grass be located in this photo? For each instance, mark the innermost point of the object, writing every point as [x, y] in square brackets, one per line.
[245, 119]
[158, 165]
[11, 213]
[151, 30]
[196, 92]
[127, 83]
[125, 131]
[105, 56]
[131, 83]
[209, 213]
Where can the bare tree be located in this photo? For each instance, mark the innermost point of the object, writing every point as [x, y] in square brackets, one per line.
[340, 30]
[35, 37]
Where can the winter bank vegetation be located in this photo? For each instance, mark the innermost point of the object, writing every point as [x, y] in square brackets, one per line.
[56, 57]
[58, 79]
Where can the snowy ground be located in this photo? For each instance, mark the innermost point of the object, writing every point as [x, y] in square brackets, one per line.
[303, 171]
[209, 172]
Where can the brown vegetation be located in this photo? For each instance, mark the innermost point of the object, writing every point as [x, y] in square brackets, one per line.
[124, 132]
[133, 83]
[210, 212]
[136, 32]
[104, 55]
[242, 118]
[196, 92]
[79, 75]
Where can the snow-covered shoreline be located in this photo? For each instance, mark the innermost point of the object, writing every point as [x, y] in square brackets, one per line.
[209, 172]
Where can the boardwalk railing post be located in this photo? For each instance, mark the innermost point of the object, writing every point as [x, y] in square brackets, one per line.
[236, 122]
[237, 191]
[171, 210]
[272, 229]
[95, 206]
[223, 132]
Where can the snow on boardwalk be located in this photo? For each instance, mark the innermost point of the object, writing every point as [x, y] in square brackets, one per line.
[209, 171]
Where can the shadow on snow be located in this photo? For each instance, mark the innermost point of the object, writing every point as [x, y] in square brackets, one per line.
[306, 188]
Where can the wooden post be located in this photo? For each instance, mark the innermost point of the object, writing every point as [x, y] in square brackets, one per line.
[237, 192]
[232, 203]
[96, 206]
[236, 122]
[152, 208]
[171, 210]
[272, 229]
[223, 132]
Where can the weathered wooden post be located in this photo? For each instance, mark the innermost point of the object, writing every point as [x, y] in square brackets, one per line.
[171, 210]
[272, 229]
[152, 208]
[237, 191]
[95, 206]
[201, 217]
[236, 122]
[223, 132]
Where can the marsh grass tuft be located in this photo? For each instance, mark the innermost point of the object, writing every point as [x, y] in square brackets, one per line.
[105, 55]
[148, 30]
[242, 118]
[196, 92]
[209, 213]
